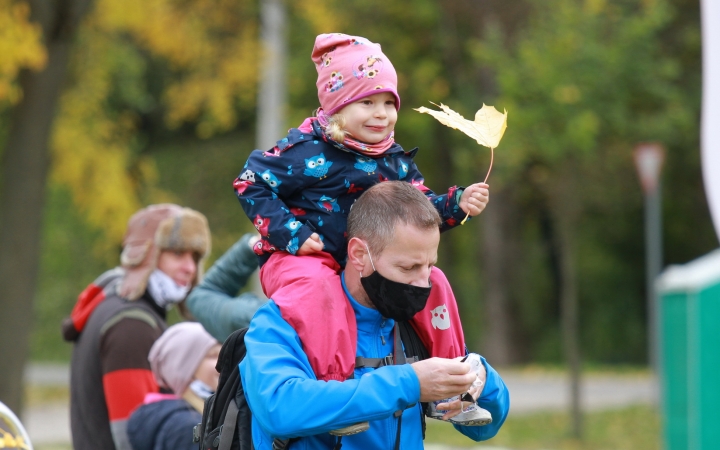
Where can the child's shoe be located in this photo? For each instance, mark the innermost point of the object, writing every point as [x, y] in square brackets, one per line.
[472, 416]
[351, 429]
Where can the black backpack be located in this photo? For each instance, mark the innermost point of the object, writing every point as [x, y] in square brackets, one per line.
[226, 420]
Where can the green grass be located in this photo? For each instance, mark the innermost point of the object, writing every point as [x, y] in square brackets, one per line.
[632, 428]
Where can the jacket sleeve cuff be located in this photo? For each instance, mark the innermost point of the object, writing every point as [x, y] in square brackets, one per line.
[454, 195]
[302, 235]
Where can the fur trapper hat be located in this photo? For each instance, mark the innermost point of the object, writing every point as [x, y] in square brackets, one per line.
[154, 229]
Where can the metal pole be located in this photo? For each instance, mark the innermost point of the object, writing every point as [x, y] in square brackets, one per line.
[272, 89]
[653, 266]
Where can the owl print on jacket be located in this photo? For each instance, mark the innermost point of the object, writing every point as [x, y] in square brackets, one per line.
[317, 166]
[328, 204]
[262, 224]
[293, 225]
[365, 164]
[271, 180]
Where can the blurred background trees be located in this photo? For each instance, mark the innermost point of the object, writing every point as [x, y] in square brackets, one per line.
[159, 104]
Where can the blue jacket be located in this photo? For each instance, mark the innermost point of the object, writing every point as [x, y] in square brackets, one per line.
[288, 401]
[307, 184]
[163, 425]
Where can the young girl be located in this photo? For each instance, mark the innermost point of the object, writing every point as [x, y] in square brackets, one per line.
[299, 193]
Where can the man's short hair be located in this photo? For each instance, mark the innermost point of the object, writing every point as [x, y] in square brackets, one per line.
[375, 214]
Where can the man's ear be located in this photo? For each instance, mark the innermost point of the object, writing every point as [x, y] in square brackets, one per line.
[356, 254]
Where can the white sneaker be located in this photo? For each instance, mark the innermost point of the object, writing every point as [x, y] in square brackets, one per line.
[472, 416]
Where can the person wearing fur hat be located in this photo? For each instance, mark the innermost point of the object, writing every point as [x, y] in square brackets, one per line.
[299, 194]
[183, 361]
[119, 316]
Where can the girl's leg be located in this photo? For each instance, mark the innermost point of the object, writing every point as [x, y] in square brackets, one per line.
[309, 293]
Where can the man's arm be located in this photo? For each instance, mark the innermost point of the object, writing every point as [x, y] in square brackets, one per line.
[276, 373]
[214, 303]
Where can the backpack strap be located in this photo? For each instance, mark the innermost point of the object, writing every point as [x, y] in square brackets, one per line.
[374, 363]
[414, 347]
[227, 431]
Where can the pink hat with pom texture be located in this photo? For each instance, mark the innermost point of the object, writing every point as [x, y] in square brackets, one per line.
[350, 68]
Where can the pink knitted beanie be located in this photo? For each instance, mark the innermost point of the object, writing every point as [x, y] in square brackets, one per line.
[350, 68]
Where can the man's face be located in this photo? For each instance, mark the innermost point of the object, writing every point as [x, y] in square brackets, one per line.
[409, 256]
[180, 266]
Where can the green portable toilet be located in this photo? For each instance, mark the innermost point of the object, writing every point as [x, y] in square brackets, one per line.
[689, 328]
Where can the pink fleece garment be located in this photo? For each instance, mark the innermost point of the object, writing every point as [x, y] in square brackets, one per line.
[309, 293]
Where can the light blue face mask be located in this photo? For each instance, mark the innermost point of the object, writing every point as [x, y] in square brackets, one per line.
[201, 389]
[164, 290]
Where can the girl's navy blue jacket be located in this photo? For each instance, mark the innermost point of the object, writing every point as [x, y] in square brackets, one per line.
[307, 183]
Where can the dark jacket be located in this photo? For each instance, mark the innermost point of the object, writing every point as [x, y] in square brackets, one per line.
[163, 425]
[307, 183]
[109, 372]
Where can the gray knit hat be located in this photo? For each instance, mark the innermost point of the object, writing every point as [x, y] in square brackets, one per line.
[154, 229]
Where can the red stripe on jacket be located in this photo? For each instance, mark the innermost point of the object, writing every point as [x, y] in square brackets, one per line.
[125, 390]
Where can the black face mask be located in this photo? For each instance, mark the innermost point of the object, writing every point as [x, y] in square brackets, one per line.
[398, 301]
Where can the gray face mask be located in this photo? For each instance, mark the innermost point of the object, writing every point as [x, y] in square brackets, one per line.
[394, 300]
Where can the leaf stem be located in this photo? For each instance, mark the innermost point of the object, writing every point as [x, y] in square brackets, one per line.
[492, 157]
[492, 154]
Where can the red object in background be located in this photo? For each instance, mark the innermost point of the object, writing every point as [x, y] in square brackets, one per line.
[649, 157]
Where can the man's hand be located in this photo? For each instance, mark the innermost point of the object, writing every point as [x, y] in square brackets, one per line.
[313, 244]
[442, 378]
[475, 198]
[456, 406]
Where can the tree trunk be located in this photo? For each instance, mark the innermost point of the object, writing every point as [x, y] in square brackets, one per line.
[22, 189]
[565, 210]
[570, 330]
[497, 341]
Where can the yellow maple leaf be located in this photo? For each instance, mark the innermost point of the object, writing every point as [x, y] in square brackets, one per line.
[487, 128]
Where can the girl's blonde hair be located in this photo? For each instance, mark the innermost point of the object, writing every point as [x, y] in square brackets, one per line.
[336, 127]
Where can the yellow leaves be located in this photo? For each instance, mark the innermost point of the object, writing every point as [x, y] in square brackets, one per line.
[208, 51]
[20, 46]
[487, 128]
[92, 148]
[211, 44]
[210, 96]
[321, 15]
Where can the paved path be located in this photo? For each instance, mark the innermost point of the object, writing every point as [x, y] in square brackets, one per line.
[531, 392]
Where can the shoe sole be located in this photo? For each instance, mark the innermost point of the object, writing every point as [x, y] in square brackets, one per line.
[471, 423]
[352, 429]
